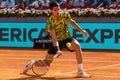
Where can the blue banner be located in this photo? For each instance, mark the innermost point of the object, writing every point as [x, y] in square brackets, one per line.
[101, 35]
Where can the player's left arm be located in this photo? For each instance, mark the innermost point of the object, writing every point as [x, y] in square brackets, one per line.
[75, 25]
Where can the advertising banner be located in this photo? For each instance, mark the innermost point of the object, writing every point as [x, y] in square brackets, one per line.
[101, 35]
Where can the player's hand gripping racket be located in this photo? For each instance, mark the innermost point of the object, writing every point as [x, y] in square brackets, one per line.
[41, 67]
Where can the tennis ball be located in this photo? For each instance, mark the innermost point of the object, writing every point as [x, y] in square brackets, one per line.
[68, 44]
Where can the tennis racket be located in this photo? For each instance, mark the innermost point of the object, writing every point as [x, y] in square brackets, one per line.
[41, 67]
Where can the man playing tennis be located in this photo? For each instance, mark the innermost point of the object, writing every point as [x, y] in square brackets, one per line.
[57, 26]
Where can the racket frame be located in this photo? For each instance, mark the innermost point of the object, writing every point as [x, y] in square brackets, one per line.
[50, 59]
[38, 73]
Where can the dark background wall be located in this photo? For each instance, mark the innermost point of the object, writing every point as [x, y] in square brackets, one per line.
[44, 19]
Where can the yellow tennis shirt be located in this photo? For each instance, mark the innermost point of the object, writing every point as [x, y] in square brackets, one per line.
[60, 26]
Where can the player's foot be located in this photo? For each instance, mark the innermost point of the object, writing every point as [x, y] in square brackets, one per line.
[28, 66]
[82, 75]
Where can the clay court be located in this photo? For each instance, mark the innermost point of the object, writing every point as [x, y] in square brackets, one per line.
[102, 65]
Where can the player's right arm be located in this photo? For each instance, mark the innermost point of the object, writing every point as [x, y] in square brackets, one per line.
[55, 42]
[52, 32]
[53, 38]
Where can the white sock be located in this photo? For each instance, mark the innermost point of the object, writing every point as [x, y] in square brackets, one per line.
[80, 67]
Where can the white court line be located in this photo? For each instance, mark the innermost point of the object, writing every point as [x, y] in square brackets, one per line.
[92, 69]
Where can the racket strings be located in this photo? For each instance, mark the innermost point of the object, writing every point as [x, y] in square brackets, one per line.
[40, 67]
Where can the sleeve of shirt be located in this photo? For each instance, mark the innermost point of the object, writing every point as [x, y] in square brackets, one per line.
[69, 16]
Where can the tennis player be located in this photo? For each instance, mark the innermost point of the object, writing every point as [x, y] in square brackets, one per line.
[57, 27]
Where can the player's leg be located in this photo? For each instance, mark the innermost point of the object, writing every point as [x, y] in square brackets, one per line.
[76, 47]
[28, 66]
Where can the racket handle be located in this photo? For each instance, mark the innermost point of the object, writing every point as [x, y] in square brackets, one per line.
[55, 56]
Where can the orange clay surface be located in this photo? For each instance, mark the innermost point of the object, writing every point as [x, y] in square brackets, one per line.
[101, 65]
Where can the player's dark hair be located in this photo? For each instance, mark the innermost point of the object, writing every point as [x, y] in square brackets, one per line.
[53, 4]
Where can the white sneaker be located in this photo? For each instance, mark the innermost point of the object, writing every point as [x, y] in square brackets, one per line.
[28, 66]
[83, 75]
